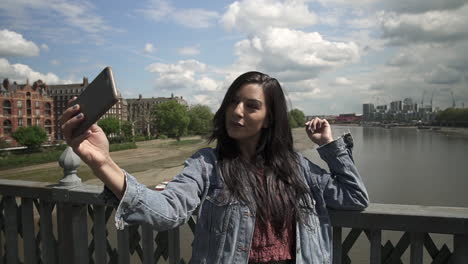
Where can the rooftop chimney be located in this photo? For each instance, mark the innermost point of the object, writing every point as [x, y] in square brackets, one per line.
[85, 81]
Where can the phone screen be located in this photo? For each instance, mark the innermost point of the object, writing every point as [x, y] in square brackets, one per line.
[96, 100]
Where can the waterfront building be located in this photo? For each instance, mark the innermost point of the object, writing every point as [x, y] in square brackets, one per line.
[25, 105]
[409, 106]
[62, 93]
[348, 118]
[368, 111]
[139, 112]
[396, 106]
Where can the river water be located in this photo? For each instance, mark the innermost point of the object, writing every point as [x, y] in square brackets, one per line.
[404, 166]
[407, 165]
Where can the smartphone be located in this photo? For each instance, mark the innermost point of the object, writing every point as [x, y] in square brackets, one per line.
[96, 100]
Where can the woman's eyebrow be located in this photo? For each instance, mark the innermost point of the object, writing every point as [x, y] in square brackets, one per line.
[255, 101]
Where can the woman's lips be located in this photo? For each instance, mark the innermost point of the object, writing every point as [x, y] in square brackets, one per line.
[235, 124]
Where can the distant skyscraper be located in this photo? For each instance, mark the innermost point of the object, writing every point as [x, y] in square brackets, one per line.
[367, 111]
[395, 106]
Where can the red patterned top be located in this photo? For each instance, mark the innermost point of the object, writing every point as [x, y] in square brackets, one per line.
[266, 244]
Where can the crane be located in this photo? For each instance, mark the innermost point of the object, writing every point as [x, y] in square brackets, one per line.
[432, 97]
[453, 99]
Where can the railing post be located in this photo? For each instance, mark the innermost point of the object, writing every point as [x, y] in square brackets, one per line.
[66, 215]
[174, 245]
[375, 238]
[417, 246]
[460, 249]
[337, 247]
[80, 234]
[70, 162]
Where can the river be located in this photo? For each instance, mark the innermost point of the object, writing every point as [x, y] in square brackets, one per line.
[407, 165]
[404, 166]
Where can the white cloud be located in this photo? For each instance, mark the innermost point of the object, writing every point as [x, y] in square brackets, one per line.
[44, 47]
[256, 15]
[185, 74]
[292, 54]
[432, 26]
[195, 18]
[342, 81]
[13, 44]
[421, 6]
[149, 48]
[79, 15]
[20, 72]
[442, 74]
[188, 51]
[55, 62]
[162, 10]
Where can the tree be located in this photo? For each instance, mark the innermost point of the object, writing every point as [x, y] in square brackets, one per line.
[201, 120]
[127, 130]
[32, 137]
[171, 118]
[110, 125]
[298, 116]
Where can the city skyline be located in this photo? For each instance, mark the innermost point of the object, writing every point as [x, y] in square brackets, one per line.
[330, 56]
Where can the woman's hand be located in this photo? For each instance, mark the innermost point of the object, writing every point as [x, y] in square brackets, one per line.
[92, 146]
[319, 131]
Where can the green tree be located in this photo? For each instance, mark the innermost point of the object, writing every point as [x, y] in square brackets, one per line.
[171, 118]
[32, 137]
[127, 130]
[201, 120]
[298, 117]
[110, 125]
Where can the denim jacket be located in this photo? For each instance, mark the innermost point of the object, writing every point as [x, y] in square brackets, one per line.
[224, 228]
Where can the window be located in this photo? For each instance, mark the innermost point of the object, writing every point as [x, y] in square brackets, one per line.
[38, 112]
[48, 126]
[20, 122]
[28, 94]
[6, 108]
[7, 127]
[20, 112]
[38, 122]
[47, 109]
[19, 104]
[28, 107]
[38, 104]
[29, 122]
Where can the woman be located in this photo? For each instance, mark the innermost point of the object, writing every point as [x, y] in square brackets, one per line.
[257, 200]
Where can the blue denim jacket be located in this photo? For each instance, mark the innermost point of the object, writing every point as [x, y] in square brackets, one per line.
[224, 228]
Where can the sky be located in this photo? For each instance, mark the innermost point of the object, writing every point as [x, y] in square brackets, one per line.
[330, 56]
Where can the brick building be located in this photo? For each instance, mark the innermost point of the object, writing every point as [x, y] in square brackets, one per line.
[25, 105]
[139, 112]
[61, 93]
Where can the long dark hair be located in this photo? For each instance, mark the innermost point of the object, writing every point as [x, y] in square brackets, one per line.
[277, 197]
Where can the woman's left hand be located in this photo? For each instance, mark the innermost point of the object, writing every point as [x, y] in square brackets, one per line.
[319, 131]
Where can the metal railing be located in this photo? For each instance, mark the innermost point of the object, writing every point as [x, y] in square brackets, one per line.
[69, 223]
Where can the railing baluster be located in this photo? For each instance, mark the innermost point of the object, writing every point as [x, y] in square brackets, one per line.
[100, 253]
[375, 238]
[337, 237]
[47, 236]
[80, 233]
[29, 240]
[460, 249]
[123, 246]
[174, 245]
[11, 230]
[147, 243]
[417, 243]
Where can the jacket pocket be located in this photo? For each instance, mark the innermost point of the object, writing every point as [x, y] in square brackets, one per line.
[216, 211]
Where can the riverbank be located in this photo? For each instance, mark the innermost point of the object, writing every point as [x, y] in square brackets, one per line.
[449, 131]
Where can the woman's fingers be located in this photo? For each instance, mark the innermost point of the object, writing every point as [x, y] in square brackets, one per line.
[316, 124]
[70, 124]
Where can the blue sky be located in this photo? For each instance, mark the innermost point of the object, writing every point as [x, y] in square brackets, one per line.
[330, 55]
